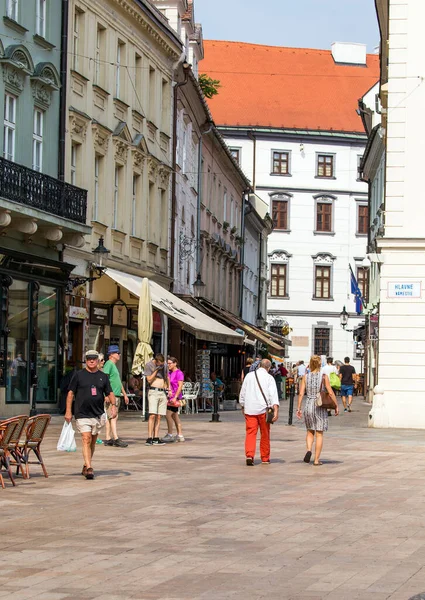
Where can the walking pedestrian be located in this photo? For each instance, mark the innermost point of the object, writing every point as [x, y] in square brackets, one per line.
[176, 379]
[110, 368]
[90, 387]
[284, 373]
[157, 378]
[246, 368]
[347, 374]
[315, 417]
[258, 392]
[301, 371]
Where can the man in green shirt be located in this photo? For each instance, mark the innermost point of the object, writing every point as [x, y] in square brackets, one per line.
[111, 370]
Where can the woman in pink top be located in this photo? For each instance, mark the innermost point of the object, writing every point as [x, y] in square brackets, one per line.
[176, 378]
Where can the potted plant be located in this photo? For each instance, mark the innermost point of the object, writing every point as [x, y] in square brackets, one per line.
[225, 226]
[233, 230]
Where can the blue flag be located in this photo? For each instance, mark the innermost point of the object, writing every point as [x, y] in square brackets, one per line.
[357, 293]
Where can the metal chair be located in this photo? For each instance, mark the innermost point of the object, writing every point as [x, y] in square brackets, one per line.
[35, 431]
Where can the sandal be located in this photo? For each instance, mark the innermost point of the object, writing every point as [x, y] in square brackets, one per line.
[84, 471]
[89, 473]
[317, 464]
[307, 457]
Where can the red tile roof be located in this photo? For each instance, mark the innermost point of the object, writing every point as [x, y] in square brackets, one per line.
[293, 88]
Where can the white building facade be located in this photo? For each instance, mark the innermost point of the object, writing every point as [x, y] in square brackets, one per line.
[400, 244]
[302, 153]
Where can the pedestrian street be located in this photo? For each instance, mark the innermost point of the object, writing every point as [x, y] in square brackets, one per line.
[189, 521]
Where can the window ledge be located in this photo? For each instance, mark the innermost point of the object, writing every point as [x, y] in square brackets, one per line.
[361, 235]
[280, 175]
[136, 238]
[100, 89]
[78, 75]
[115, 230]
[41, 41]
[280, 297]
[97, 222]
[121, 102]
[275, 230]
[323, 232]
[322, 299]
[14, 25]
[323, 177]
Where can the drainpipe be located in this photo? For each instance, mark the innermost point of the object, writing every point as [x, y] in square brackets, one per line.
[252, 137]
[242, 255]
[63, 91]
[186, 68]
[206, 129]
[260, 256]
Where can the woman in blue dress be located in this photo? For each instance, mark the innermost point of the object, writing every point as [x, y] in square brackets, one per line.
[315, 417]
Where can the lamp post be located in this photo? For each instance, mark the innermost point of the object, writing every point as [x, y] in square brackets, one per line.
[98, 266]
[199, 287]
[343, 318]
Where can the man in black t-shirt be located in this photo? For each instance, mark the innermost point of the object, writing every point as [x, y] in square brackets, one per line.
[89, 387]
[347, 375]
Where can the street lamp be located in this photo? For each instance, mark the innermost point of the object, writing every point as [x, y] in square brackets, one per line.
[98, 266]
[199, 287]
[343, 317]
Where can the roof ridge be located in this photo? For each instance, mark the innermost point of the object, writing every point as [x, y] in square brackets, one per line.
[327, 50]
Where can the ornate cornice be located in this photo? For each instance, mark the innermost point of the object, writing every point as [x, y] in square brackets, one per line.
[129, 7]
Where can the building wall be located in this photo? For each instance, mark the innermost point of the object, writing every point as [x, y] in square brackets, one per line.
[120, 113]
[222, 196]
[30, 93]
[402, 319]
[301, 246]
[250, 308]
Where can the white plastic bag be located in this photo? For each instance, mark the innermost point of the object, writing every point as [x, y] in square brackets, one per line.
[66, 441]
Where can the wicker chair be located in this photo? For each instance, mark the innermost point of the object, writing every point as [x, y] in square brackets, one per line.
[14, 451]
[7, 430]
[35, 431]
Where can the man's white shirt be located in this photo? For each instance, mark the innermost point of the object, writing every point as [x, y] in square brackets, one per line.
[251, 397]
[328, 370]
[301, 370]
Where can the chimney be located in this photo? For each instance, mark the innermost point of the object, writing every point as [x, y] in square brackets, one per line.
[346, 53]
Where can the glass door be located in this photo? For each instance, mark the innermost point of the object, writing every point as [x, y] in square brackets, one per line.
[47, 344]
[17, 390]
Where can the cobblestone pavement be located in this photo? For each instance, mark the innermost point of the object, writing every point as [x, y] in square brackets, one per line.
[189, 521]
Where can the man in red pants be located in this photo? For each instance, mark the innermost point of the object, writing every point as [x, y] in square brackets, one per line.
[258, 392]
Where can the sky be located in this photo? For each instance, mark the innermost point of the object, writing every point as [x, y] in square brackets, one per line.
[298, 23]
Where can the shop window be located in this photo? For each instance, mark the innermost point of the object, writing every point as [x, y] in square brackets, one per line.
[17, 344]
[46, 345]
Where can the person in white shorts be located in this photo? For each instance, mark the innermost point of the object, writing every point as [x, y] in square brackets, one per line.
[156, 374]
[90, 387]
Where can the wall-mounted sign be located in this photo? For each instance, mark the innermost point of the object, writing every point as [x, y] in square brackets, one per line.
[404, 289]
[78, 312]
[100, 314]
[119, 315]
[300, 340]
[133, 320]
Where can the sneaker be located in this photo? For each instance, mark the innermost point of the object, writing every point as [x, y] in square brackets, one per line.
[265, 462]
[249, 462]
[149, 442]
[99, 441]
[179, 438]
[345, 410]
[169, 437]
[120, 443]
[158, 442]
[108, 442]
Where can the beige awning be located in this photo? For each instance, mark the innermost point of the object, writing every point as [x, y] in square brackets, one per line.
[190, 318]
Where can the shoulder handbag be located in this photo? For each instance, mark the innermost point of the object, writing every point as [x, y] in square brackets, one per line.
[323, 398]
[269, 411]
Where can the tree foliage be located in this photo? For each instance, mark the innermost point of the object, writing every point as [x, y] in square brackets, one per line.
[209, 85]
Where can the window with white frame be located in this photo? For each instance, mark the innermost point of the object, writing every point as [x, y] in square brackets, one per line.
[99, 63]
[134, 205]
[118, 71]
[12, 9]
[40, 23]
[37, 140]
[225, 215]
[184, 149]
[9, 128]
[76, 39]
[116, 198]
[97, 167]
[74, 162]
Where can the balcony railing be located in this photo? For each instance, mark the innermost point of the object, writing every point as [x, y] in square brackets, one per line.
[34, 189]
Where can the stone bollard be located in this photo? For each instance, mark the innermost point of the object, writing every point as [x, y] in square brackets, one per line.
[378, 415]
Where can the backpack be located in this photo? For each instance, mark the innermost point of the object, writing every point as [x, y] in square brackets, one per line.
[335, 381]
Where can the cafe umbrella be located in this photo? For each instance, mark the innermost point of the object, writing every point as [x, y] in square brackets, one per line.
[144, 351]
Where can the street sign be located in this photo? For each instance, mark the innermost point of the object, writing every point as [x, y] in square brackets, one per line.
[404, 289]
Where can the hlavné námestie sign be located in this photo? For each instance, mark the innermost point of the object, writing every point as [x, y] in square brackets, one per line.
[404, 289]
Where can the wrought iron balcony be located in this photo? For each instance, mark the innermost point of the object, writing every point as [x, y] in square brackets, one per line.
[36, 190]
